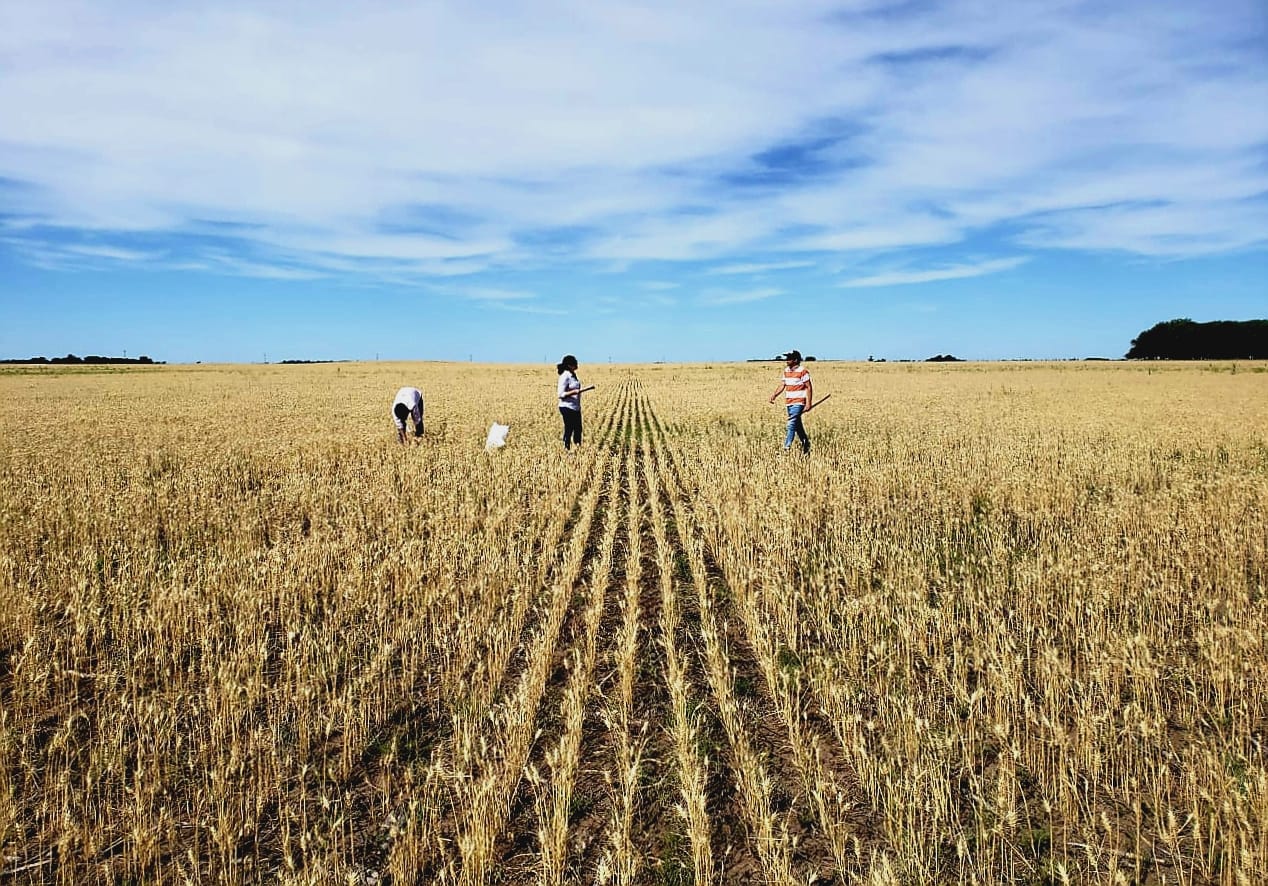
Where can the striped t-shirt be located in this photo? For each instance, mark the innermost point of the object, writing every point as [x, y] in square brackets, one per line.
[796, 381]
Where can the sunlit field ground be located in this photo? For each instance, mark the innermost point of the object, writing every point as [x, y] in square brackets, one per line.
[1006, 624]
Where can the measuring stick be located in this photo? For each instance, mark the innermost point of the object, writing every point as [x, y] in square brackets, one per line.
[815, 403]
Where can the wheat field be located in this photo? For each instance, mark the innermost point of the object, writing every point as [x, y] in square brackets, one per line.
[1007, 623]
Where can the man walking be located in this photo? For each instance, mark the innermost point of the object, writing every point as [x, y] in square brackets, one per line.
[799, 393]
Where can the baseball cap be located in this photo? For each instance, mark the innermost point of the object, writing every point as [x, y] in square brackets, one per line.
[791, 355]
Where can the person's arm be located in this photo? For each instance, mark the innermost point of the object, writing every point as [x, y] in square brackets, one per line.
[400, 434]
[567, 391]
[779, 390]
[810, 393]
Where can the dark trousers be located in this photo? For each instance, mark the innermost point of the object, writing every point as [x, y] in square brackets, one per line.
[572, 426]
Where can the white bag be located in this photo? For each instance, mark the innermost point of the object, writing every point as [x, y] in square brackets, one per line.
[497, 437]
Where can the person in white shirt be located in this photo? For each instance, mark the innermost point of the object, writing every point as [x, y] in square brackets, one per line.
[408, 404]
[570, 400]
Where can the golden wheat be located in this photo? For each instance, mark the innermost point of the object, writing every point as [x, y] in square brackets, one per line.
[1007, 623]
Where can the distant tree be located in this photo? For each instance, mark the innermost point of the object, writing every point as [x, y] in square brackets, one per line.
[1183, 339]
[91, 359]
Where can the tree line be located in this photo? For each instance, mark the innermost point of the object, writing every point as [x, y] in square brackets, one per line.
[92, 359]
[1184, 339]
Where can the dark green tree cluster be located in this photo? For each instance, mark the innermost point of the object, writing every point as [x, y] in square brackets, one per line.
[1218, 340]
[91, 359]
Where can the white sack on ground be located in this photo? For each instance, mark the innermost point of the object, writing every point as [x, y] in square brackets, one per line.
[497, 437]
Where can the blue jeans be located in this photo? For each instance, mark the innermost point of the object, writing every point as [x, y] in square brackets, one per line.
[795, 428]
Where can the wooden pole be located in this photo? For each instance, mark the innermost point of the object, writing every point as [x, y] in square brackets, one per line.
[815, 403]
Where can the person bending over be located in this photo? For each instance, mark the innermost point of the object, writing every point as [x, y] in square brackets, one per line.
[408, 405]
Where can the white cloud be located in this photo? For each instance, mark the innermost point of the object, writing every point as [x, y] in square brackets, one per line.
[528, 309]
[262, 270]
[112, 252]
[660, 300]
[735, 297]
[491, 294]
[954, 272]
[1161, 230]
[761, 267]
[630, 131]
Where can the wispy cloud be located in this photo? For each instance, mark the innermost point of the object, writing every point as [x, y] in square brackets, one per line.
[477, 293]
[521, 301]
[516, 307]
[112, 252]
[761, 267]
[72, 256]
[231, 264]
[1162, 230]
[735, 297]
[953, 272]
[438, 140]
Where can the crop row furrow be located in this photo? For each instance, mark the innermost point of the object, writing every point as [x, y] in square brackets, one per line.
[825, 784]
[686, 729]
[554, 783]
[492, 753]
[537, 796]
[744, 839]
[657, 830]
[444, 829]
[787, 784]
[751, 773]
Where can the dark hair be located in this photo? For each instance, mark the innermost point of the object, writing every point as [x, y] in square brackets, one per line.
[568, 362]
[401, 411]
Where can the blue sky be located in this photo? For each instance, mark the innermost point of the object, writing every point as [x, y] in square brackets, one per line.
[628, 181]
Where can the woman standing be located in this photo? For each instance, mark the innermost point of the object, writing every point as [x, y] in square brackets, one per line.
[570, 400]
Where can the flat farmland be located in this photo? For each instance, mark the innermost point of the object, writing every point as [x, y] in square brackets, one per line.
[1007, 623]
